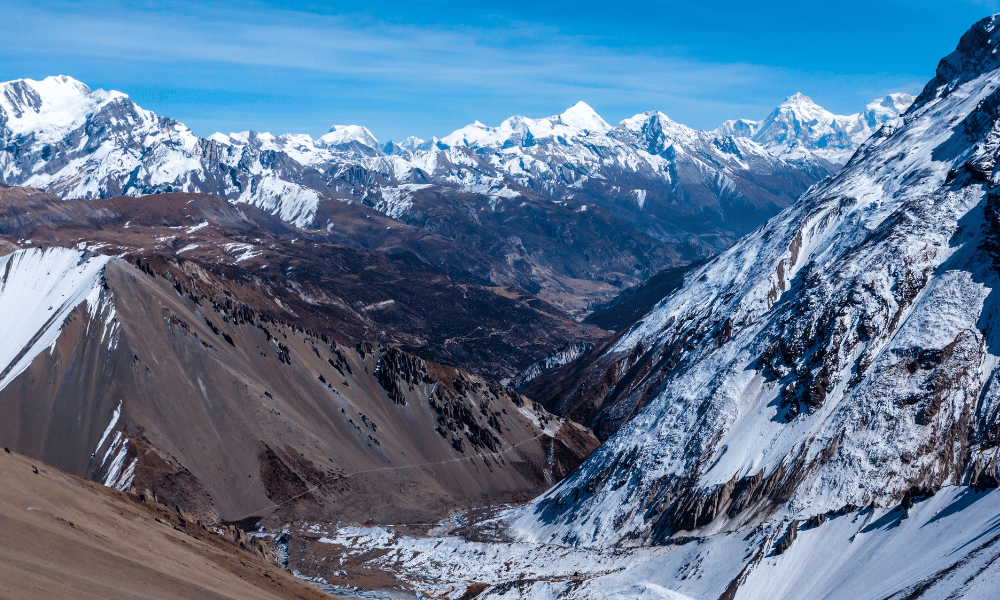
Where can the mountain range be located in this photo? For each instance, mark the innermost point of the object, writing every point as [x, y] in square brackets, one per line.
[568, 207]
[810, 414]
[554, 358]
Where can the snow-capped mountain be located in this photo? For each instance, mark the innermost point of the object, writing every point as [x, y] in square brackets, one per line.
[812, 414]
[842, 356]
[802, 132]
[660, 177]
[61, 136]
[345, 134]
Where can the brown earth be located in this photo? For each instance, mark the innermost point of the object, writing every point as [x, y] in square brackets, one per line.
[64, 537]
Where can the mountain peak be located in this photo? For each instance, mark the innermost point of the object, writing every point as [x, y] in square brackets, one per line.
[898, 101]
[345, 134]
[70, 82]
[50, 106]
[54, 89]
[582, 116]
[975, 55]
[797, 99]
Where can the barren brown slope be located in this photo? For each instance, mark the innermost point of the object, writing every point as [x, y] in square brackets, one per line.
[64, 537]
[230, 414]
[418, 290]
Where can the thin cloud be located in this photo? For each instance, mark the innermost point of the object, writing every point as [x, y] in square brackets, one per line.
[533, 65]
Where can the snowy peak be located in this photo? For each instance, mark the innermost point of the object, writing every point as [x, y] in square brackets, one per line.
[653, 132]
[975, 55]
[413, 144]
[798, 99]
[49, 107]
[880, 111]
[26, 95]
[743, 128]
[801, 130]
[795, 114]
[898, 102]
[345, 134]
[578, 121]
[582, 116]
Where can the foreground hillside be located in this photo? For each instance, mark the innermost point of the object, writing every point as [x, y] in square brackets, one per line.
[64, 537]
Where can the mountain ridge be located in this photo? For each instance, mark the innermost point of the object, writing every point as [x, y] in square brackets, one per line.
[290, 174]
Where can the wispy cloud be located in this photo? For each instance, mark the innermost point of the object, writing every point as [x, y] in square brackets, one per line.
[491, 71]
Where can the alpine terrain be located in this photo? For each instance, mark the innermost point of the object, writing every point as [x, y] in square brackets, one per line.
[569, 208]
[811, 414]
[553, 358]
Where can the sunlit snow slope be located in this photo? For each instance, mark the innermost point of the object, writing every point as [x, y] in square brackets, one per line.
[41, 287]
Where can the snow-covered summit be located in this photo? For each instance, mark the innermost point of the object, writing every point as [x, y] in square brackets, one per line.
[582, 117]
[415, 144]
[880, 111]
[345, 134]
[49, 108]
[580, 120]
[654, 132]
[744, 128]
[801, 130]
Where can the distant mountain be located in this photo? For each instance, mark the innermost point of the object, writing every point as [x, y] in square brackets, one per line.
[517, 193]
[804, 133]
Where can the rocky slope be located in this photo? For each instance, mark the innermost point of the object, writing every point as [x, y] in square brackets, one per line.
[64, 537]
[140, 381]
[381, 292]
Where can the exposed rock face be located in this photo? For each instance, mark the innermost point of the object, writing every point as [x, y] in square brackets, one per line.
[842, 355]
[567, 354]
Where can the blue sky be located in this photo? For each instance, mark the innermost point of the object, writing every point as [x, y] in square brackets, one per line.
[428, 68]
